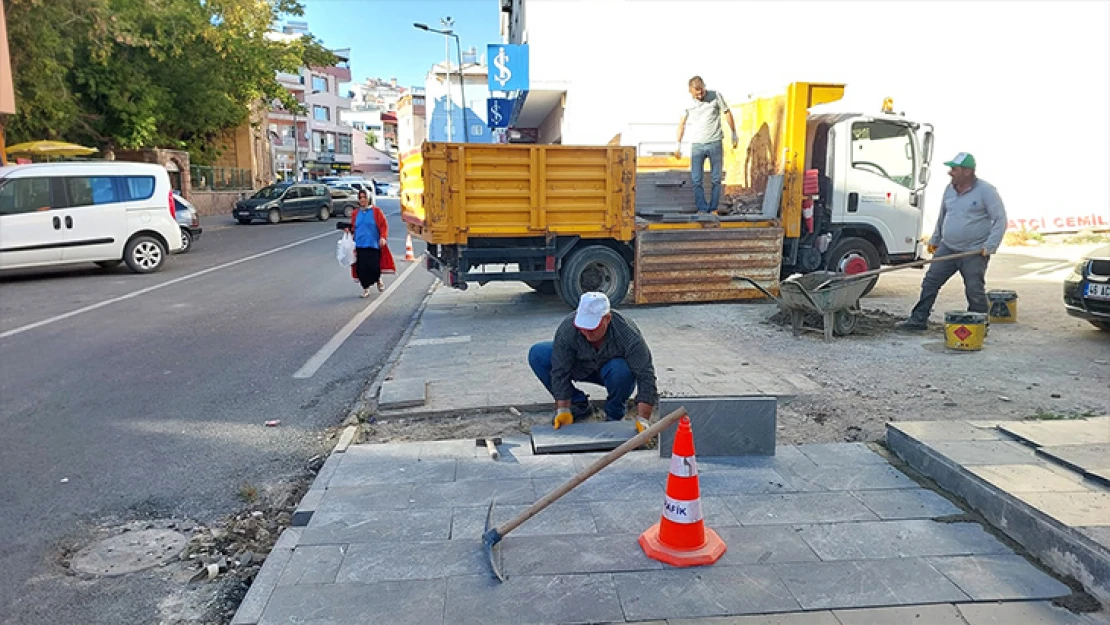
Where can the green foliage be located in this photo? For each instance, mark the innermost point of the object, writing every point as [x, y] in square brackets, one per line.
[371, 139]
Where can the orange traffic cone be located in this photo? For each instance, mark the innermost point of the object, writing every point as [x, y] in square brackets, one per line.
[409, 257]
[680, 538]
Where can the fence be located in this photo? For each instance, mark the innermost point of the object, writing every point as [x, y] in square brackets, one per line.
[206, 178]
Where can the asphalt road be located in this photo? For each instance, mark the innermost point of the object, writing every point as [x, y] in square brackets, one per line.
[150, 400]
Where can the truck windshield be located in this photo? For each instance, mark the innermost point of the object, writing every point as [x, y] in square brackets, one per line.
[884, 149]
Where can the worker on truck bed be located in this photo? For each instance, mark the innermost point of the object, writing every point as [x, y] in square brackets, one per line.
[600, 346]
[704, 118]
[971, 218]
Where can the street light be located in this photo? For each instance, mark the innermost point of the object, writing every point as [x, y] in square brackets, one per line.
[297, 138]
[447, 32]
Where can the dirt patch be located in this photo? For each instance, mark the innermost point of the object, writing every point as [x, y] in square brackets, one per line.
[870, 322]
[473, 425]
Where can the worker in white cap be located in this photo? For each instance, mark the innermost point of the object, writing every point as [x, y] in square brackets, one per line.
[601, 346]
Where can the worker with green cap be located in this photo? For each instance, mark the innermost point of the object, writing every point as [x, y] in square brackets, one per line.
[972, 217]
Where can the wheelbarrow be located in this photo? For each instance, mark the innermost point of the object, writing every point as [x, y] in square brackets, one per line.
[837, 301]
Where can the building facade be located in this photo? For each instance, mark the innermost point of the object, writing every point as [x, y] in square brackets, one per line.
[442, 126]
[412, 126]
[7, 93]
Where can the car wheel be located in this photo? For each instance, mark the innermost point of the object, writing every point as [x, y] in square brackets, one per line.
[108, 264]
[1102, 325]
[274, 217]
[854, 255]
[186, 241]
[595, 268]
[244, 221]
[144, 254]
[347, 212]
[324, 214]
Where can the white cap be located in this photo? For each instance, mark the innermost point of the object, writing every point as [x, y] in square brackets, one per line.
[591, 308]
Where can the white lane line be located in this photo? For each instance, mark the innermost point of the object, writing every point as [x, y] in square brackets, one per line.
[134, 294]
[319, 358]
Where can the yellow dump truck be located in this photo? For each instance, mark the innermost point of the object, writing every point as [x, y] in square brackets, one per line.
[802, 192]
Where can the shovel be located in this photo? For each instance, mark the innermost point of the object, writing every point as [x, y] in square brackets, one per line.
[875, 272]
[492, 536]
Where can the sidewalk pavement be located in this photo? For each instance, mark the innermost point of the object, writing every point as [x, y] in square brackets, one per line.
[471, 349]
[817, 534]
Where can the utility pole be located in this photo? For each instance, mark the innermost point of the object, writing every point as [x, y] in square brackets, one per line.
[447, 22]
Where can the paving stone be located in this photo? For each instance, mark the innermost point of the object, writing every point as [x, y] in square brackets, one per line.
[382, 561]
[1100, 535]
[909, 503]
[262, 588]
[1099, 476]
[474, 493]
[364, 472]
[313, 564]
[515, 447]
[377, 525]
[724, 426]
[563, 555]
[1028, 478]
[356, 500]
[1000, 577]
[742, 482]
[383, 451]
[483, 468]
[469, 522]
[944, 614]
[794, 508]
[586, 436]
[646, 462]
[452, 449]
[765, 544]
[415, 602]
[841, 454]
[899, 539]
[1091, 431]
[1081, 458]
[633, 517]
[608, 487]
[307, 507]
[932, 431]
[877, 583]
[1025, 613]
[793, 618]
[1074, 509]
[532, 600]
[404, 393]
[331, 465]
[703, 591]
[863, 477]
[970, 453]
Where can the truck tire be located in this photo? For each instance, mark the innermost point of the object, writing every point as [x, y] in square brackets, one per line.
[848, 256]
[594, 268]
[543, 287]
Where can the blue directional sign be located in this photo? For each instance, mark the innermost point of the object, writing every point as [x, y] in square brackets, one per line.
[498, 112]
[508, 67]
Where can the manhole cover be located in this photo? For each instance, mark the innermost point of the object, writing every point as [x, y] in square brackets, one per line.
[129, 552]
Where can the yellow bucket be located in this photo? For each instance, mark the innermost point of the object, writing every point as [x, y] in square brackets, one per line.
[964, 331]
[1003, 306]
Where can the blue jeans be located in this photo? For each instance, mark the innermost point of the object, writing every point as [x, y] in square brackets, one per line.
[716, 154]
[615, 376]
[973, 269]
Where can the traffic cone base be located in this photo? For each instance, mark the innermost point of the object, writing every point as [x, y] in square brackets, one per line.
[409, 257]
[708, 553]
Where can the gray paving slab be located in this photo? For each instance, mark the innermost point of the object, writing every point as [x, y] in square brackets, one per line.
[1099, 476]
[765, 544]
[532, 600]
[1093, 431]
[331, 465]
[469, 522]
[943, 614]
[1028, 478]
[841, 454]
[404, 393]
[798, 508]
[515, 447]
[383, 451]
[933, 431]
[862, 477]
[329, 528]
[383, 561]
[724, 426]
[875, 583]
[985, 452]
[564, 555]
[1081, 458]
[635, 516]
[1099, 534]
[458, 449]
[415, 602]
[307, 506]
[507, 467]
[908, 503]
[1025, 613]
[703, 591]
[356, 471]
[474, 493]
[313, 564]
[898, 539]
[793, 618]
[585, 436]
[355, 500]
[608, 487]
[1072, 509]
[743, 481]
[999, 577]
[646, 462]
[265, 582]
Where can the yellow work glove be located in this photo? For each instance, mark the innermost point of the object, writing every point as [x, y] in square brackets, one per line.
[563, 417]
[932, 249]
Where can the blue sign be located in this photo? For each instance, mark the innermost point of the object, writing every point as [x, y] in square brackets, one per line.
[498, 112]
[508, 67]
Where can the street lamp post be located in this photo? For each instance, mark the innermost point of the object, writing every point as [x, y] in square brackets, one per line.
[447, 32]
[297, 137]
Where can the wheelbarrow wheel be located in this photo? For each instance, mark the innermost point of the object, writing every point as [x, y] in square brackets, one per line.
[844, 322]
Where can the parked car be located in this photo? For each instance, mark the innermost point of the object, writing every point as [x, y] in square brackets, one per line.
[104, 212]
[358, 184]
[394, 165]
[344, 200]
[189, 221]
[1087, 289]
[285, 201]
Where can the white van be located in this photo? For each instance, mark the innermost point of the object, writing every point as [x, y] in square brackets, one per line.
[103, 212]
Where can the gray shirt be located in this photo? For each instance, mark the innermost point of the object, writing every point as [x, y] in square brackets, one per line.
[703, 118]
[574, 358]
[972, 220]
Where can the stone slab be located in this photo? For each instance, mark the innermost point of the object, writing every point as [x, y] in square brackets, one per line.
[633, 517]
[985, 452]
[586, 436]
[329, 528]
[899, 539]
[1072, 509]
[1082, 458]
[724, 426]
[483, 468]
[792, 618]
[262, 588]
[933, 431]
[1028, 478]
[1099, 534]
[404, 393]
[616, 487]
[356, 500]
[475, 493]
[564, 555]
[313, 564]
[879, 583]
[356, 471]
[311, 500]
[943, 614]
[1025, 613]
[798, 508]
[999, 577]
[841, 454]
[742, 481]
[765, 544]
[909, 503]
[382, 561]
[1091, 431]
[415, 602]
[1099, 476]
[531, 600]
[863, 477]
[705, 591]
[469, 522]
[458, 449]
[383, 451]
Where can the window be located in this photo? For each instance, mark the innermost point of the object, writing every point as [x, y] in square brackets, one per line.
[344, 144]
[330, 142]
[138, 188]
[319, 83]
[321, 113]
[24, 195]
[318, 140]
[92, 190]
[320, 191]
[884, 149]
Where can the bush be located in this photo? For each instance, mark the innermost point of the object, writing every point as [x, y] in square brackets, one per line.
[1023, 237]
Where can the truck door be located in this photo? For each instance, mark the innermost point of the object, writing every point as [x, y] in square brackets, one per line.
[883, 167]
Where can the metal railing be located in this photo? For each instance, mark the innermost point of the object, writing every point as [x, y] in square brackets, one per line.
[206, 178]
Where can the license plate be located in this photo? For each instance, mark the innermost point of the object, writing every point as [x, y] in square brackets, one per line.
[1097, 291]
[244, 213]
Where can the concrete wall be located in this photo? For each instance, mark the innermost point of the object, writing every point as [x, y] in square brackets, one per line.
[210, 203]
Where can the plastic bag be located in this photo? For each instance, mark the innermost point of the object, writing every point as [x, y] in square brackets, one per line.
[345, 250]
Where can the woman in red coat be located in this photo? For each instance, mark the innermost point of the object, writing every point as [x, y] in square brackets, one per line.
[372, 256]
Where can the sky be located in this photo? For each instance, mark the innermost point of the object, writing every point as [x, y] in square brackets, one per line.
[384, 43]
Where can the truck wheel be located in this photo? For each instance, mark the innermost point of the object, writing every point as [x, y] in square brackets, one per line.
[595, 268]
[543, 287]
[854, 255]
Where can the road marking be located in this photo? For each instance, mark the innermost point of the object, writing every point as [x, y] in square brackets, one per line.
[446, 340]
[149, 289]
[319, 358]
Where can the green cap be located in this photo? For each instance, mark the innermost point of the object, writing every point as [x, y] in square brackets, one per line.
[963, 159]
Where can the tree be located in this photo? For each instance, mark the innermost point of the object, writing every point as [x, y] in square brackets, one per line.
[135, 73]
[371, 139]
